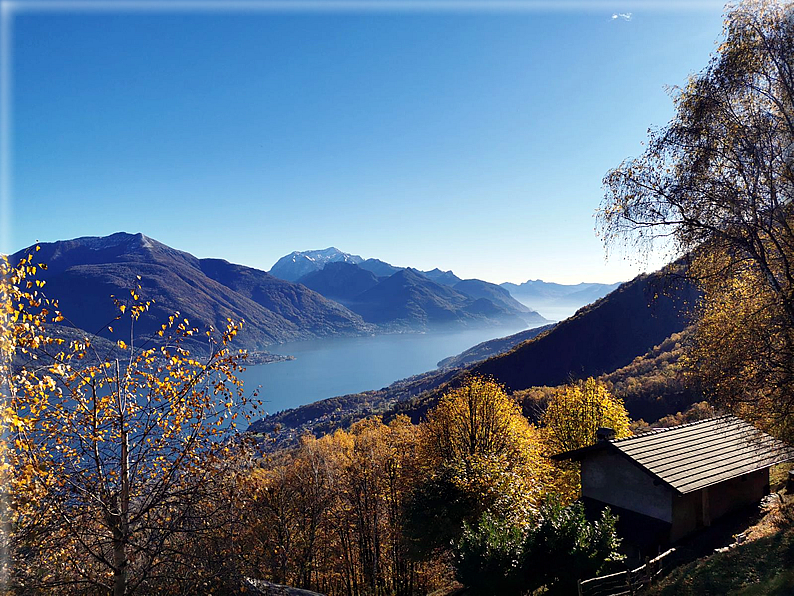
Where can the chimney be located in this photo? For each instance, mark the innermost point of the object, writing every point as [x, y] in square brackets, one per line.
[604, 434]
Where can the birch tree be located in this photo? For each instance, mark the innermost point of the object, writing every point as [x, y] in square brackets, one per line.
[716, 185]
[112, 455]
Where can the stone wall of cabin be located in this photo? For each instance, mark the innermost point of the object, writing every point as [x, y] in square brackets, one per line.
[687, 514]
[613, 479]
[700, 508]
[737, 493]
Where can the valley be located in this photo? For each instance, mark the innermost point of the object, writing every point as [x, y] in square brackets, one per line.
[319, 325]
[620, 329]
[396, 298]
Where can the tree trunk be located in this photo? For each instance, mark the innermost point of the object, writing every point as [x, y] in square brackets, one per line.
[119, 562]
[121, 525]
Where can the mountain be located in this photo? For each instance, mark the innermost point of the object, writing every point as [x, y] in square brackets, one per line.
[83, 273]
[536, 292]
[446, 278]
[477, 288]
[411, 299]
[305, 309]
[297, 264]
[590, 292]
[630, 322]
[551, 300]
[492, 347]
[557, 301]
[300, 263]
[407, 299]
[601, 337]
[542, 289]
[340, 280]
[379, 268]
[656, 384]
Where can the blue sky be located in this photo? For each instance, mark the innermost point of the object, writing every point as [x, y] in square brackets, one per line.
[471, 140]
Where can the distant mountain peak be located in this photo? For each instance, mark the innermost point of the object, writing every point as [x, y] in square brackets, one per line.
[339, 280]
[146, 242]
[446, 278]
[120, 242]
[325, 254]
[409, 273]
[379, 268]
[299, 263]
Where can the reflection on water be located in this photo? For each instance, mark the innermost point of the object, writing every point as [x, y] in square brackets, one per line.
[337, 366]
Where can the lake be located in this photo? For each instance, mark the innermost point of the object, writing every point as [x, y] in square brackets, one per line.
[340, 365]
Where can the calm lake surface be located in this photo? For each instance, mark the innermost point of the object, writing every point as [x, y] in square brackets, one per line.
[337, 366]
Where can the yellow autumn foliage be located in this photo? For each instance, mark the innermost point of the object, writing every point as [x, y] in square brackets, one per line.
[574, 413]
[478, 437]
[103, 454]
[743, 345]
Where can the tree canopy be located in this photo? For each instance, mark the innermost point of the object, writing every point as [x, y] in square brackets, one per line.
[720, 172]
[478, 453]
[573, 415]
[575, 412]
[716, 185]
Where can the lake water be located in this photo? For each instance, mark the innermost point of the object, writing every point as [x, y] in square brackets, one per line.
[341, 365]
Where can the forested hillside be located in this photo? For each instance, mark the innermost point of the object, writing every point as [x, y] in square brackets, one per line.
[602, 337]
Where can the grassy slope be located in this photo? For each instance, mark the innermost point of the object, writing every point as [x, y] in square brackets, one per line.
[763, 566]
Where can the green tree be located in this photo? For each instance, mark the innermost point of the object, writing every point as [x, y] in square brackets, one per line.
[489, 557]
[560, 547]
[564, 546]
[717, 184]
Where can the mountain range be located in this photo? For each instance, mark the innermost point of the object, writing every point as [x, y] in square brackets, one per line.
[299, 264]
[336, 293]
[538, 293]
[340, 294]
[342, 276]
[83, 274]
[411, 299]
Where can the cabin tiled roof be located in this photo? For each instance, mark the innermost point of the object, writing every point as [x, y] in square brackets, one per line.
[699, 454]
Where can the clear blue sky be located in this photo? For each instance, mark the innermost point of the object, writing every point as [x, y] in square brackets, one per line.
[467, 140]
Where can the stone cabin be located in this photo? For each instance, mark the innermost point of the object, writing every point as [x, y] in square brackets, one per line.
[667, 483]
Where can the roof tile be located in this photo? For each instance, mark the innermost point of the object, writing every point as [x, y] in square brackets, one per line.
[700, 454]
